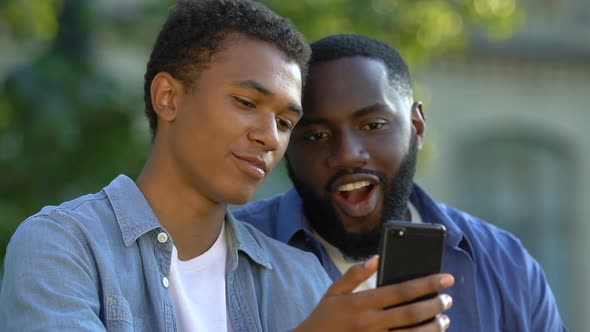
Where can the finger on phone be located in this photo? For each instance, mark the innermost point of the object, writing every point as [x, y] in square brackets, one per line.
[440, 323]
[426, 314]
[353, 277]
[397, 294]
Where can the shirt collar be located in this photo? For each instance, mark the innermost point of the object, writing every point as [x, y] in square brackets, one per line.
[136, 217]
[432, 213]
[132, 210]
[291, 217]
[242, 239]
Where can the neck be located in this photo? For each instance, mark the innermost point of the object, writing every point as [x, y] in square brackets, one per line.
[193, 220]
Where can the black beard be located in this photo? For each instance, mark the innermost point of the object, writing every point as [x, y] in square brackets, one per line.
[359, 246]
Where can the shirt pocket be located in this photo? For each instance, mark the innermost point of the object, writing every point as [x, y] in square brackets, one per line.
[119, 317]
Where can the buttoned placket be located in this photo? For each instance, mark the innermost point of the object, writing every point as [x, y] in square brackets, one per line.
[163, 241]
[163, 238]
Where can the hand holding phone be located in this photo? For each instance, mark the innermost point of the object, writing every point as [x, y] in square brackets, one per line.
[379, 308]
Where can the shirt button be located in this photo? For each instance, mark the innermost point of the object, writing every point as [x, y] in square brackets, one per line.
[165, 282]
[162, 237]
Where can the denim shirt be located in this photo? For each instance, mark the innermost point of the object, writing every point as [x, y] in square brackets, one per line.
[101, 262]
[498, 285]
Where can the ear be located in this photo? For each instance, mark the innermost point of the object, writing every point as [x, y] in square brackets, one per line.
[419, 122]
[164, 92]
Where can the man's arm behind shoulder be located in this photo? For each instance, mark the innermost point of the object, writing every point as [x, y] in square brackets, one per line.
[49, 281]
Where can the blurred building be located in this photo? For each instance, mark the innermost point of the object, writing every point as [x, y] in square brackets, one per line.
[510, 127]
[507, 140]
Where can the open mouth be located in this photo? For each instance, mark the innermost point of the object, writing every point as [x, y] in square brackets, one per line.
[357, 199]
[355, 192]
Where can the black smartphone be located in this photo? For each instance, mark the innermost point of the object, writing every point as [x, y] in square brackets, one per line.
[409, 250]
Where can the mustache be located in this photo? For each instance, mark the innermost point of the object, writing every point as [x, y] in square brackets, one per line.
[356, 170]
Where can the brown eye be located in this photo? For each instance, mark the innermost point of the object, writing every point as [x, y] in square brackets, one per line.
[373, 126]
[244, 102]
[316, 136]
[284, 125]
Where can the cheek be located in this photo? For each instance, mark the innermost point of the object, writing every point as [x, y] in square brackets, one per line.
[387, 154]
[309, 170]
[388, 160]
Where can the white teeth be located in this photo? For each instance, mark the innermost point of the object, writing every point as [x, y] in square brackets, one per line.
[354, 185]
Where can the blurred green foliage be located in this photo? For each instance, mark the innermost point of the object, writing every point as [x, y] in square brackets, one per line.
[420, 29]
[67, 127]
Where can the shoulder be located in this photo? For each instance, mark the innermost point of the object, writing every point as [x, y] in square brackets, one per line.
[481, 232]
[283, 257]
[71, 215]
[56, 235]
[66, 227]
[496, 251]
[509, 269]
[54, 252]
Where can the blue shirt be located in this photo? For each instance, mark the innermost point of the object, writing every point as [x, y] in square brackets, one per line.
[498, 285]
[100, 262]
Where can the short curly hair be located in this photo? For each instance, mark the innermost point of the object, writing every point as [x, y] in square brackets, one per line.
[348, 45]
[195, 30]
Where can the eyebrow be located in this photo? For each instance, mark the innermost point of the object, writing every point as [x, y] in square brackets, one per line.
[374, 108]
[253, 85]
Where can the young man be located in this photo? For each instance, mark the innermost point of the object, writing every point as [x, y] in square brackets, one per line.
[352, 159]
[222, 93]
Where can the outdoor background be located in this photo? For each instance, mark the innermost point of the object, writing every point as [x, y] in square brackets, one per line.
[506, 85]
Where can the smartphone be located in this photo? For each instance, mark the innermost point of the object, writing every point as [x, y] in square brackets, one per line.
[409, 250]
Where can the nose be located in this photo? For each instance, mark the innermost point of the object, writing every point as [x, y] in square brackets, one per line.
[347, 151]
[265, 132]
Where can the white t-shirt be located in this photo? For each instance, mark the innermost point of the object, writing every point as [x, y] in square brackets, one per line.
[197, 287]
[343, 265]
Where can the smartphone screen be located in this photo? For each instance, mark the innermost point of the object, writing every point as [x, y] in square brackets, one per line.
[408, 251]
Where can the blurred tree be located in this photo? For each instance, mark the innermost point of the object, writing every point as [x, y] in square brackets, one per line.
[64, 127]
[67, 128]
[420, 29]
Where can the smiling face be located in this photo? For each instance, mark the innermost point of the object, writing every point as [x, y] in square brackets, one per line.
[226, 132]
[352, 157]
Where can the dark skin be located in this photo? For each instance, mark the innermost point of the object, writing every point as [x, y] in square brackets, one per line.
[354, 120]
[217, 141]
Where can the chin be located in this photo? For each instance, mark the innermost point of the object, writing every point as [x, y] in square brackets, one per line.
[241, 197]
[356, 225]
